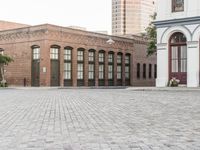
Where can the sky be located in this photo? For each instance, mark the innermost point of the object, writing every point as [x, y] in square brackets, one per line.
[95, 15]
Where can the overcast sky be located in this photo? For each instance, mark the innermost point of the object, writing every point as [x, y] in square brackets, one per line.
[92, 14]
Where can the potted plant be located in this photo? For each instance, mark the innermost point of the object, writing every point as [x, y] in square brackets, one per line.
[174, 82]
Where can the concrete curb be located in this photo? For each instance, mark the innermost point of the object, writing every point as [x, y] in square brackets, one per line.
[163, 89]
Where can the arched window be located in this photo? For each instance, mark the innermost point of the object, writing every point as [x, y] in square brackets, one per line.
[138, 70]
[54, 52]
[91, 67]
[35, 52]
[80, 66]
[68, 66]
[119, 66]
[110, 65]
[101, 68]
[177, 5]
[178, 57]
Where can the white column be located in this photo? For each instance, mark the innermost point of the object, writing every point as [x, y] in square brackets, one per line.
[193, 64]
[162, 65]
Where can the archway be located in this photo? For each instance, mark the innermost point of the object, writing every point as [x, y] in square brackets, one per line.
[178, 57]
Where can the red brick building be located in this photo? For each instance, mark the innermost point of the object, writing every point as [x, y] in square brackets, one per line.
[49, 55]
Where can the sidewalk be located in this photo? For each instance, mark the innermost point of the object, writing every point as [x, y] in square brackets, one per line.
[163, 89]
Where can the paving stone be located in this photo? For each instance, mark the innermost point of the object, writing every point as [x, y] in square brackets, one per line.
[99, 119]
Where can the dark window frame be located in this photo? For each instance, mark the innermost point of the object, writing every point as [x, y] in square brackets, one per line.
[80, 62]
[144, 71]
[155, 71]
[68, 61]
[138, 70]
[175, 8]
[150, 71]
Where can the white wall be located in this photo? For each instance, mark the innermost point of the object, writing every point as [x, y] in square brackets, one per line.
[164, 9]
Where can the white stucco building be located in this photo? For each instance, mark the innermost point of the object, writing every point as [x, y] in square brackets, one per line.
[178, 36]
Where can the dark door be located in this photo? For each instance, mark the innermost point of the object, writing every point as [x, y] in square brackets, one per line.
[55, 69]
[179, 63]
[35, 75]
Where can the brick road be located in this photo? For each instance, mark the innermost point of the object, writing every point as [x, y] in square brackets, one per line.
[99, 119]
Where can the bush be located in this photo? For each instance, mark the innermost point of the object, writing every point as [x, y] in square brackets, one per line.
[3, 85]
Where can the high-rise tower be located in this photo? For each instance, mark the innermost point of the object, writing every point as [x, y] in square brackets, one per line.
[131, 16]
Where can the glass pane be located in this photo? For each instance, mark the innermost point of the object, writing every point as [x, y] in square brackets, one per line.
[80, 55]
[91, 75]
[127, 69]
[110, 58]
[178, 5]
[101, 71]
[91, 56]
[101, 57]
[127, 59]
[91, 67]
[110, 68]
[36, 53]
[183, 52]
[119, 58]
[174, 52]
[183, 65]
[174, 65]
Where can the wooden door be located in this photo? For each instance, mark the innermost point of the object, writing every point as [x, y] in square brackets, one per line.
[35, 75]
[178, 66]
[55, 69]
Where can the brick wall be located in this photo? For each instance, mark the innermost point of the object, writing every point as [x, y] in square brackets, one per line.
[17, 44]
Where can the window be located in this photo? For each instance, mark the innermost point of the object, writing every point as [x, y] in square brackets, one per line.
[155, 71]
[80, 55]
[80, 71]
[101, 57]
[36, 53]
[119, 72]
[67, 54]
[177, 5]
[174, 59]
[54, 53]
[91, 72]
[91, 56]
[67, 70]
[110, 72]
[110, 58]
[119, 58]
[127, 59]
[183, 59]
[138, 70]
[150, 71]
[144, 71]
[101, 71]
[178, 53]
[127, 72]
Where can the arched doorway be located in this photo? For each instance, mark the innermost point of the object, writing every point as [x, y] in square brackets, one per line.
[178, 57]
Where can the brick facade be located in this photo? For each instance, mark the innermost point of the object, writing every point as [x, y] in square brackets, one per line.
[18, 44]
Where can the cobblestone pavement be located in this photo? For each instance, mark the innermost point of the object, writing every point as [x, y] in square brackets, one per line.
[99, 119]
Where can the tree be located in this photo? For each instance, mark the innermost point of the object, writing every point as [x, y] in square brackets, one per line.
[151, 35]
[4, 60]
